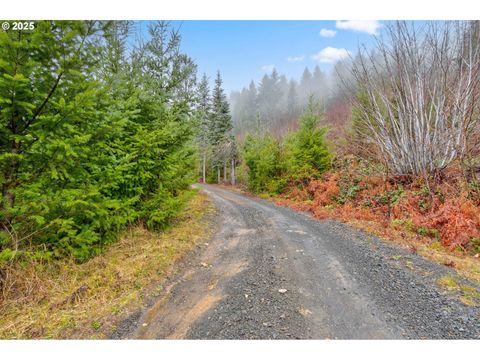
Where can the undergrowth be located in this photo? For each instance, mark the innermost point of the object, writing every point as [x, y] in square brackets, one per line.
[444, 211]
[440, 219]
[66, 299]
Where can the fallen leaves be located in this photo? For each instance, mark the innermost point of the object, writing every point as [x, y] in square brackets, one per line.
[444, 212]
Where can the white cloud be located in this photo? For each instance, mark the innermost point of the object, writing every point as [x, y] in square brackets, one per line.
[268, 68]
[331, 54]
[296, 58]
[327, 33]
[367, 26]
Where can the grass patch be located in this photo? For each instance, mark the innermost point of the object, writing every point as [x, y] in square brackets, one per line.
[468, 295]
[436, 245]
[465, 264]
[265, 196]
[68, 300]
[449, 282]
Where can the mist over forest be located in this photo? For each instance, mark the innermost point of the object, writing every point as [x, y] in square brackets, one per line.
[276, 102]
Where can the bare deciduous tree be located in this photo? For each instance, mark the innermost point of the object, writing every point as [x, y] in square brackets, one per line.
[418, 93]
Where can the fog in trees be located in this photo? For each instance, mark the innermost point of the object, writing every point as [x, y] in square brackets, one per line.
[276, 103]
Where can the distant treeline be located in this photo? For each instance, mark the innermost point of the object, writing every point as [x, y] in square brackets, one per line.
[276, 103]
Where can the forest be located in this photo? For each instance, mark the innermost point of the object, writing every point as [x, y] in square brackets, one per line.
[103, 131]
[391, 136]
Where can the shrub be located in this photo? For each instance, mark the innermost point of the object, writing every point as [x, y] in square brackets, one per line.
[389, 197]
[349, 188]
[262, 156]
[306, 150]
[457, 220]
[325, 190]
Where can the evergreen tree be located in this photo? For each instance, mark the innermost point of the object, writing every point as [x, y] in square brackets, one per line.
[306, 87]
[278, 102]
[251, 103]
[269, 97]
[91, 139]
[48, 115]
[292, 100]
[262, 156]
[204, 114]
[319, 84]
[306, 148]
[221, 125]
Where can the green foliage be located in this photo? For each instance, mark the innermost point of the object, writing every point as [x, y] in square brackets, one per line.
[407, 224]
[96, 325]
[475, 244]
[277, 185]
[242, 171]
[474, 190]
[92, 139]
[270, 164]
[262, 156]
[349, 188]
[430, 232]
[307, 152]
[389, 197]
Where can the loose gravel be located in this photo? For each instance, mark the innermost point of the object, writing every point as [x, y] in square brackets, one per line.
[340, 283]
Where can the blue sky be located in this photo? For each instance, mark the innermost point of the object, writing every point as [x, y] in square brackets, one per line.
[245, 50]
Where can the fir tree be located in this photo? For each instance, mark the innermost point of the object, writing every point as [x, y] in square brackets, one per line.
[292, 100]
[221, 125]
[91, 139]
[204, 114]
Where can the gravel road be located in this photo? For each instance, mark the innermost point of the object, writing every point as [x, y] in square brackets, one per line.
[271, 273]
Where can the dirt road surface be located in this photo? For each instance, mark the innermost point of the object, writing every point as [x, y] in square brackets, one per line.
[272, 273]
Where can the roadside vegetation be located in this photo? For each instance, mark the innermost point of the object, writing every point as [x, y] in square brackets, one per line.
[404, 160]
[67, 299]
[96, 134]
[98, 137]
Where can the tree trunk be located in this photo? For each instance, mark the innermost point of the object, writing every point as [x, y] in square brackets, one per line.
[225, 171]
[204, 167]
[232, 174]
[218, 173]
